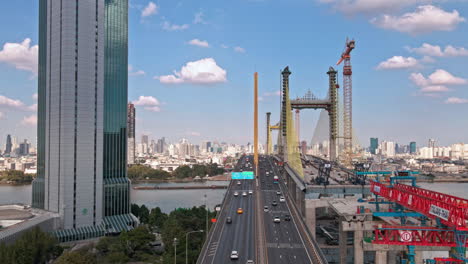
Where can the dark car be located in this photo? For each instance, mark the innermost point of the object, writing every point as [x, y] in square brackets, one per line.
[287, 218]
[228, 220]
[274, 203]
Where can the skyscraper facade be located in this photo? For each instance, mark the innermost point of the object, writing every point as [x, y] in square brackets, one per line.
[24, 148]
[82, 116]
[131, 133]
[374, 145]
[412, 147]
[8, 145]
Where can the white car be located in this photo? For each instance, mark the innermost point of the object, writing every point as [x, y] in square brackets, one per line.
[238, 183]
[244, 194]
[236, 194]
[278, 193]
[234, 255]
[265, 208]
[250, 192]
[282, 199]
[276, 219]
[249, 261]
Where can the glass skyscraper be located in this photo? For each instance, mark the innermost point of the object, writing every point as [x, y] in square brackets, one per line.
[374, 145]
[412, 147]
[82, 116]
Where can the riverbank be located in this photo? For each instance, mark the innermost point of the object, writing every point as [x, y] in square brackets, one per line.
[171, 180]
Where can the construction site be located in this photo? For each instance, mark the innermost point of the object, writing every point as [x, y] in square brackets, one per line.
[357, 214]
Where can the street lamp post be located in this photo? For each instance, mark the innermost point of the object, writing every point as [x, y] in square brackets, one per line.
[206, 209]
[175, 250]
[186, 243]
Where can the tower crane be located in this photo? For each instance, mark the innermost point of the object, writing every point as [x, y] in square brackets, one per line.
[347, 96]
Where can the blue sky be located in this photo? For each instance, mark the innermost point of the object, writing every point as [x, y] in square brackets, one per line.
[409, 65]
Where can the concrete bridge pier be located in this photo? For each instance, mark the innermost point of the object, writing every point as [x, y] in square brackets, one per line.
[381, 257]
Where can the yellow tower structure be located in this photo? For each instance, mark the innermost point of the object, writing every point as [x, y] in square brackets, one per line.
[256, 123]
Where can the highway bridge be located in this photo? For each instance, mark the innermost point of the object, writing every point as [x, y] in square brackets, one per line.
[253, 233]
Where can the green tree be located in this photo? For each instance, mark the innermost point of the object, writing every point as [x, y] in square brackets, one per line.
[136, 240]
[183, 172]
[157, 218]
[76, 257]
[141, 172]
[34, 246]
[144, 214]
[135, 209]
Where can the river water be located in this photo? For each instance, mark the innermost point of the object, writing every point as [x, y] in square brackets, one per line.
[169, 200]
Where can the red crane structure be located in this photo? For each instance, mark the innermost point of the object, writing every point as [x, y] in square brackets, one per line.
[450, 212]
[347, 96]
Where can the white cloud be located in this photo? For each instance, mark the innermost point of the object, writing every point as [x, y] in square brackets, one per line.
[146, 101]
[434, 89]
[173, 27]
[21, 55]
[276, 93]
[132, 72]
[198, 19]
[437, 51]
[150, 9]
[193, 133]
[224, 46]
[436, 82]
[29, 120]
[443, 77]
[398, 62]
[199, 43]
[260, 98]
[32, 107]
[351, 7]
[456, 100]
[153, 108]
[5, 101]
[35, 96]
[239, 49]
[425, 19]
[137, 73]
[204, 71]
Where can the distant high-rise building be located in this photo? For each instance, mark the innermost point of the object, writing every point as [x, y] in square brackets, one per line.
[144, 139]
[431, 143]
[24, 148]
[413, 147]
[9, 145]
[131, 114]
[387, 148]
[82, 121]
[304, 147]
[374, 145]
[161, 145]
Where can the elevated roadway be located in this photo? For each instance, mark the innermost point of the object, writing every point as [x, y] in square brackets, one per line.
[238, 235]
[286, 241]
[253, 234]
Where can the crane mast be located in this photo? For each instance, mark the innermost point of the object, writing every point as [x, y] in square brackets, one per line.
[347, 97]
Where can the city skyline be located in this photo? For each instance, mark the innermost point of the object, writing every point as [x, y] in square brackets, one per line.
[406, 82]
